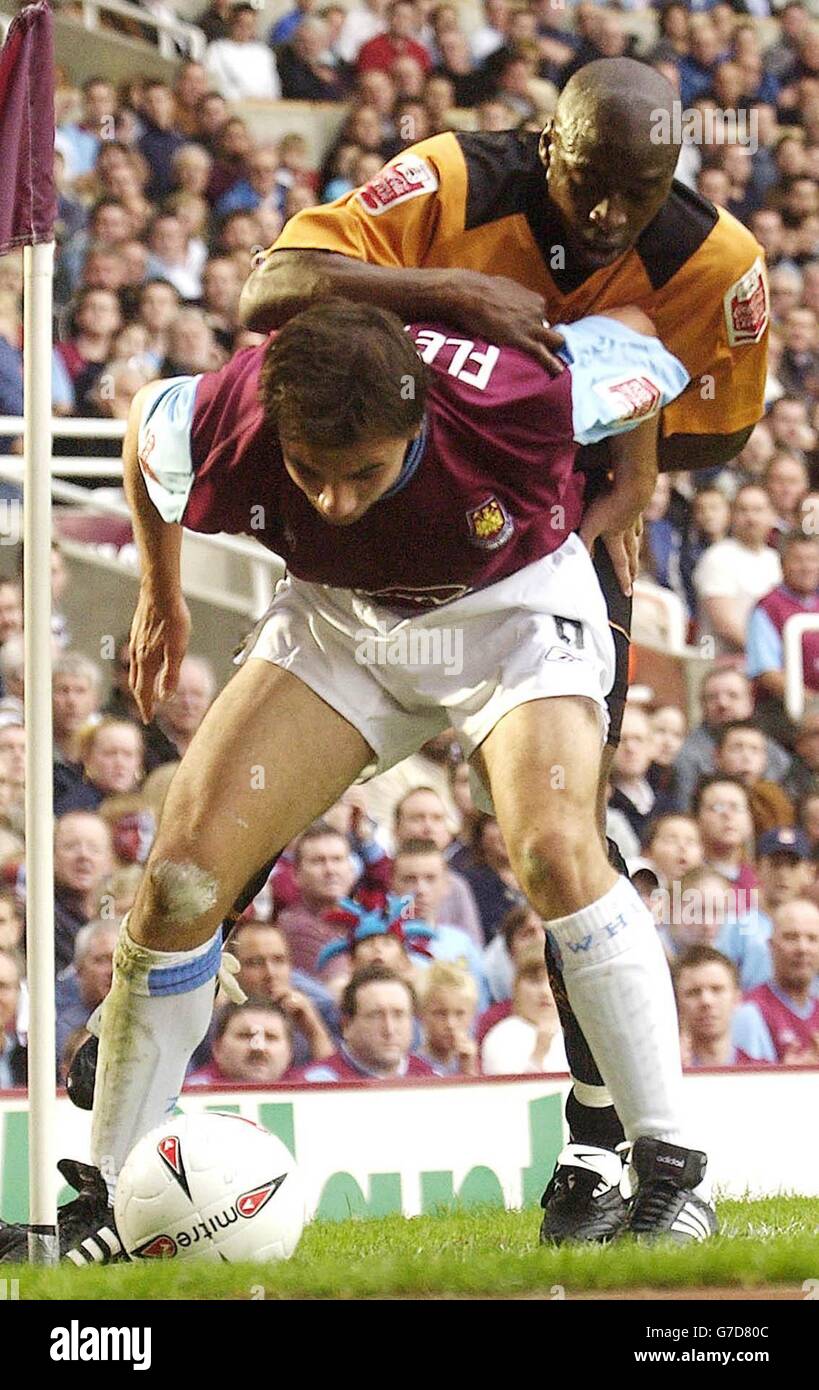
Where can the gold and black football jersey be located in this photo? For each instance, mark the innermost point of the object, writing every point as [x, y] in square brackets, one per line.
[479, 201]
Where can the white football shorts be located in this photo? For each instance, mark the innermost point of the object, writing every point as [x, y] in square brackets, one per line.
[541, 632]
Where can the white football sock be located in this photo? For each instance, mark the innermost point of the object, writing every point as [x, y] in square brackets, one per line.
[619, 985]
[156, 1014]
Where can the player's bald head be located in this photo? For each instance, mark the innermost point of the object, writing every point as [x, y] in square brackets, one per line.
[622, 105]
[610, 157]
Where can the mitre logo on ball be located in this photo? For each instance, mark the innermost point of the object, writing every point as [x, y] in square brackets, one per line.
[407, 177]
[746, 306]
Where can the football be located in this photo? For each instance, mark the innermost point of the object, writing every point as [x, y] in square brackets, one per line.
[211, 1187]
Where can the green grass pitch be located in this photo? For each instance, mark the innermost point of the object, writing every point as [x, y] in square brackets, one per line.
[480, 1253]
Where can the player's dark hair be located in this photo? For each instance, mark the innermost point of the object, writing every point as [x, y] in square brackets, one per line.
[369, 975]
[319, 830]
[341, 373]
[733, 724]
[712, 780]
[702, 955]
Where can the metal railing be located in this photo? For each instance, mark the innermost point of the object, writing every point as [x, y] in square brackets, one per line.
[265, 568]
[169, 30]
[793, 631]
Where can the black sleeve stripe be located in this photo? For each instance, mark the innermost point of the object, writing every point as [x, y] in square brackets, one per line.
[500, 166]
[678, 231]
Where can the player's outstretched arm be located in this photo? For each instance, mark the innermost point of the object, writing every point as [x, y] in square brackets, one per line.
[161, 624]
[485, 306]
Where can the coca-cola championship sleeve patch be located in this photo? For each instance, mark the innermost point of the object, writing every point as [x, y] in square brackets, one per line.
[746, 306]
[619, 377]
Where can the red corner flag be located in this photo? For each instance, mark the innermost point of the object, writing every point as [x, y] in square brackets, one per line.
[28, 201]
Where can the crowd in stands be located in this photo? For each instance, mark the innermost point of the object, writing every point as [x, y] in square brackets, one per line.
[164, 200]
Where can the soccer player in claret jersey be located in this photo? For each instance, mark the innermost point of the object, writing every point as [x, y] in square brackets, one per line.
[500, 234]
[412, 481]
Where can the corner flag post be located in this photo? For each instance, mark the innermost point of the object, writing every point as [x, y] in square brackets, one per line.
[27, 215]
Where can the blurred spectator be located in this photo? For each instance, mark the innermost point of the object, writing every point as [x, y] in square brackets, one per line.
[798, 593]
[232, 148]
[221, 286]
[178, 718]
[285, 27]
[694, 912]
[80, 143]
[469, 86]
[486, 867]
[175, 255]
[82, 863]
[421, 814]
[189, 88]
[13, 1055]
[159, 302]
[308, 70]
[530, 1038]
[790, 426]
[632, 792]
[420, 871]
[721, 806]
[787, 483]
[263, 953]
[192, 346]
[160, 139]
[742, 752]
[111, 754]
[85, 983]
[324, 874]
[668, 730]
[779, 1021]
[798, 369]
[252, 1046]
[521, 931]
[214, 21]
[377, 1010]
[734, 573]
[708, 996]
[493, 33]
[786, 871]
[71, 213]
[11, 609]
[12, 926]
[191, 169]
[448, 1003]
[240, 66]
[93, 322]
[698, 67]
[399, 38]
[725, 696]
[75, 702]
[121, 703]
[361, 23]
[261, 188]
[803, 774]
[109, 225]
[673, 845]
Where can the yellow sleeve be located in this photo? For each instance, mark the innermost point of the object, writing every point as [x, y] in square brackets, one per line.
[727, 346]
[413, 204]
